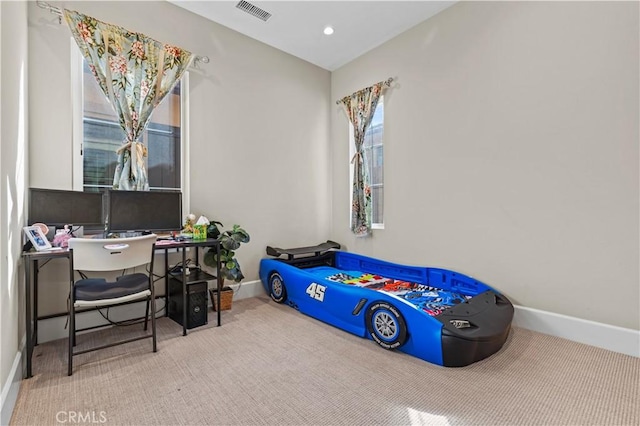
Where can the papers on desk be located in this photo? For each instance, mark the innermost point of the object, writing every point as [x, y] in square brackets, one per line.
[167, 242]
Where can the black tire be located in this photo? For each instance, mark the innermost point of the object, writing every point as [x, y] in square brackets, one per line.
[277, 290]
[386, 325]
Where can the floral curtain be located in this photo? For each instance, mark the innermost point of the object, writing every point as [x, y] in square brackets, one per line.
[360, 108]
[135, 72]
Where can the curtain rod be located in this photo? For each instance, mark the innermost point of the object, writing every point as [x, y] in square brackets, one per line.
[387, 82]
[58, 11]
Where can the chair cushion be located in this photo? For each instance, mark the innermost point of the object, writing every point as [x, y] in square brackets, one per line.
[100, 288]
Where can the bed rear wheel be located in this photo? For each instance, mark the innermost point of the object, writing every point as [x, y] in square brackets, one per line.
[386, 325]
[277, 290]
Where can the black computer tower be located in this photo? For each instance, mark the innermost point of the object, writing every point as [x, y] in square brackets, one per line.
[196, 302]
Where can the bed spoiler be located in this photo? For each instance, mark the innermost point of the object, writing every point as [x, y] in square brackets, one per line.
[303, 251]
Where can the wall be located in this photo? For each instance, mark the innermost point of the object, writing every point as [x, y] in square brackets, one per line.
[13, 174]
[511, 152]
[259, 126]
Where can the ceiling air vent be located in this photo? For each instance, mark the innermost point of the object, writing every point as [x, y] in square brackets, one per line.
[253, 10]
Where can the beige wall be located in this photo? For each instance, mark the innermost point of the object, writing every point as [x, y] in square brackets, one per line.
[511, 152]
[511, 146]
[259, 126]
[13, 169]
[511, 143]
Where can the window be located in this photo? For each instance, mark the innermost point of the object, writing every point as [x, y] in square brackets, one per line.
[373, 156]
[98, 135]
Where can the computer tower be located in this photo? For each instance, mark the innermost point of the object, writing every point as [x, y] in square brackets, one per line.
[196, 302]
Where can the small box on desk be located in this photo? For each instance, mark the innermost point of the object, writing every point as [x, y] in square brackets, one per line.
[196, 303]
[200, 232]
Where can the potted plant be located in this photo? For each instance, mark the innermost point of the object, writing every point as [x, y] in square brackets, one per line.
[230, 240]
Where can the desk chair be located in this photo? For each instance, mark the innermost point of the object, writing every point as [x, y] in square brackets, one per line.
[105, 255]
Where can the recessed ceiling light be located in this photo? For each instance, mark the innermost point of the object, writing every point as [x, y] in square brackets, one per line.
[328, 30]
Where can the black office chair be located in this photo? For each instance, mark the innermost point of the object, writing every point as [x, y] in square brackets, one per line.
[106, 255]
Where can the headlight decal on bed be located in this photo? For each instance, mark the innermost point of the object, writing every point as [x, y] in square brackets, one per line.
[316, 291]
[460, 323]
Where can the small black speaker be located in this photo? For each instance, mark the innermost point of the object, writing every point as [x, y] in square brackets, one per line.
[196, 303]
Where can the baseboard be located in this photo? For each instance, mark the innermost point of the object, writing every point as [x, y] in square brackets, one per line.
[617, 339]
[610, 337]
[55, 328]
[613, 338]
[246, 289]
[10, 390]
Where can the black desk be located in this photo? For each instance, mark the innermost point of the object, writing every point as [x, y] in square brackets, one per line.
[31, 260]
[31, 271]
[202, 276]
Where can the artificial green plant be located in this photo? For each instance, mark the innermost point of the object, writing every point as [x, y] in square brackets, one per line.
[230, 240]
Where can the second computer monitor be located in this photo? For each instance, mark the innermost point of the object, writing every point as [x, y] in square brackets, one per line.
[142, 211]
[57, 208]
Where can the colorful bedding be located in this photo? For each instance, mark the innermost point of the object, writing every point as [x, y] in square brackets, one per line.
[431, 300]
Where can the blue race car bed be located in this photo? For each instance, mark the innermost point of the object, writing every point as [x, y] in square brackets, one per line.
[438, 315]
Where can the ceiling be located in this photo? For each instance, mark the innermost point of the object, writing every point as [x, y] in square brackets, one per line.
[296, 27]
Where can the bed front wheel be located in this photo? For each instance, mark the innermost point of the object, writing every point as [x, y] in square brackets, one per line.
[386, 325]
[277, 290]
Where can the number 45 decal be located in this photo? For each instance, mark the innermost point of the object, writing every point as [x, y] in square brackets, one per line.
[316, 291]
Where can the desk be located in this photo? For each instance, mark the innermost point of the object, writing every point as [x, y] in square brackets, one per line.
[31, 271]
[170, 244]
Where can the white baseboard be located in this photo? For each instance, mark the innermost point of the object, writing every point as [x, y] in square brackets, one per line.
[610, 337]
[10, 389]
[55, 328]
[246, 289]
[613, 338]
[617, 339]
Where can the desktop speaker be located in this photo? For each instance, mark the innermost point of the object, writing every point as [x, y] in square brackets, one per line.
[196, 303]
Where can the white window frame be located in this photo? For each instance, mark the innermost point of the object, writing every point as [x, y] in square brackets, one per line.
[352, 152]
[77, 97]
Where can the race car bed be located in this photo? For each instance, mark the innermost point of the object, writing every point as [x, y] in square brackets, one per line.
[438, 315]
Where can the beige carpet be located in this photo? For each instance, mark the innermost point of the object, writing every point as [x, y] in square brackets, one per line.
[270, 365]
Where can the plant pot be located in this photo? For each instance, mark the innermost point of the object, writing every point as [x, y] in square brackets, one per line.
[226, 298]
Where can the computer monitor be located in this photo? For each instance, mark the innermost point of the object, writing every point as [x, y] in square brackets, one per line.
[142, 211]
[57, 208]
